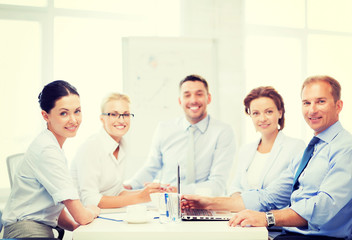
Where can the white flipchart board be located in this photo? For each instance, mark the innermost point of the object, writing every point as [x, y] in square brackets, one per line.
[152, 70]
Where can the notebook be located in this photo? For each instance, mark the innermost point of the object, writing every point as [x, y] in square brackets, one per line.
[200, 214]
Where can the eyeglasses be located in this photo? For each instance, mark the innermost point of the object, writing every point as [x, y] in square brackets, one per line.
[116, 115]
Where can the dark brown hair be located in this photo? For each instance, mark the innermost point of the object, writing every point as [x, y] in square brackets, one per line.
[194, 78]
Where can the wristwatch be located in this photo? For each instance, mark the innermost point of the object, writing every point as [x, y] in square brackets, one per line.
[270, 219]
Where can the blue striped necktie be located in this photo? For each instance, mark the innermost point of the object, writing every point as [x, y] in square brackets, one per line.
[305, 159]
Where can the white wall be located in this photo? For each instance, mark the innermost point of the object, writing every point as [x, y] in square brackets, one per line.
[222, 20]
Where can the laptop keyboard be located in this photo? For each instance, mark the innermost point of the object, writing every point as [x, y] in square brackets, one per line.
[198, 212]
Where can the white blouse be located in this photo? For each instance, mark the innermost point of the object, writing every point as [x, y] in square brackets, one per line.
[254, 175]
[95, 170]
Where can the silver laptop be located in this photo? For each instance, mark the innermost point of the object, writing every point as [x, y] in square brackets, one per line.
[201, 214]
[205, 215]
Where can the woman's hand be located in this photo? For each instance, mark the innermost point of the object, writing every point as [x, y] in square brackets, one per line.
[148, 189]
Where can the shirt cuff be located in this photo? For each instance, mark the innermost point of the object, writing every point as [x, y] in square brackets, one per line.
[234, 190]
[251, 200]
[65, 195]
[303, 209]
[92, 200]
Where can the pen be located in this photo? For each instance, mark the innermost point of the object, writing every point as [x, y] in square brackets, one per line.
[117, 220]
[111, 219]
[166, 204]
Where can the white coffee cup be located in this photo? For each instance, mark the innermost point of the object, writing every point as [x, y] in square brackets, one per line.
[136, 214]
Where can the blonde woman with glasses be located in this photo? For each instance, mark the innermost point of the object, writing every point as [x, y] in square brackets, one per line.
[99, 165]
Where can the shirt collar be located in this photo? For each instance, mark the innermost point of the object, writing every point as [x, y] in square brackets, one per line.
[51, 134]
[201, 125]
[108, 143]
[331, 132]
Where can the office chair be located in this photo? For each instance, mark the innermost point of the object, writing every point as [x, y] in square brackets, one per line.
[12, 162]
[0, 220]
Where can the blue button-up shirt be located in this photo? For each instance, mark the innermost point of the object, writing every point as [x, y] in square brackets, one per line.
[214, 154]
[324, 196]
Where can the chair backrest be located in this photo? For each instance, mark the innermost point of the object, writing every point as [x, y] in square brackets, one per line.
[0, 220]
[12, 164]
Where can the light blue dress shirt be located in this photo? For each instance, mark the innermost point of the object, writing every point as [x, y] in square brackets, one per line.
[284, 150]
[41, 183]
[324, 196]
[214, 154]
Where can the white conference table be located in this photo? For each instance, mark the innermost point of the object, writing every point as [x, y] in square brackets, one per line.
[153, 230]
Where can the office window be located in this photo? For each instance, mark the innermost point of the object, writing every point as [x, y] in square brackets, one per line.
[287, 41]
[329, 54]
[77, 41]
[330, 15]
[137, 7]
[275, 61]
[160, 15]
[31, 3]
[285, 13]
[20, 74]
[93, 44]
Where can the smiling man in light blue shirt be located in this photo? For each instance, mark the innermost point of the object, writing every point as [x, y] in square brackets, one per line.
[214, 146]
[320, 204]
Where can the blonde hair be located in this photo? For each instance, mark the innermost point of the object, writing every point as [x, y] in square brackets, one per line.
[114, 97]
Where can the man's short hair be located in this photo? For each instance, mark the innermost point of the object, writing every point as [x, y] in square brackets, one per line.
[335, 85]
[194, 78]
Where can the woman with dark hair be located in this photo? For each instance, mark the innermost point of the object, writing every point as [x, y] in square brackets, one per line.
[43, 186]
[261, 162]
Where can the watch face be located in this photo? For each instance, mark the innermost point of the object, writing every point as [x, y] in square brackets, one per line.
[270, 219]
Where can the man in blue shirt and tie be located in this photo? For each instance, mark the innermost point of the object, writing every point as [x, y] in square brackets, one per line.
[314, 194]
[203, 146]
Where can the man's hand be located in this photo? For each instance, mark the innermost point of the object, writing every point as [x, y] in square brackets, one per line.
[196, 202]
[248, 218]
